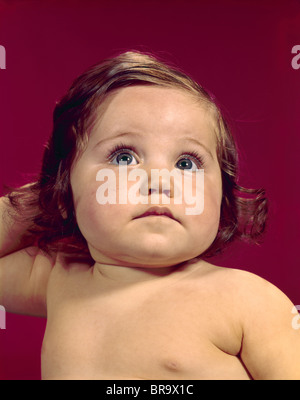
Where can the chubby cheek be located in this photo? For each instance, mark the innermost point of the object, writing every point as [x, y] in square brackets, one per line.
[96, 219]
[92, 217]
[206, 224]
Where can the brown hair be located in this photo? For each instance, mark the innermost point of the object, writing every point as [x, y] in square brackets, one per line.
[47, 204]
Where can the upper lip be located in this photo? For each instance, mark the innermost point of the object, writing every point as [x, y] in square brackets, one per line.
[163, 211]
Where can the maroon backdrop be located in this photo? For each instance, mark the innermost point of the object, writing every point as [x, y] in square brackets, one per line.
[240, 50]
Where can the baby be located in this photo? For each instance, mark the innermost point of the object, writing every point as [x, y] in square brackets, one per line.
[118, 265]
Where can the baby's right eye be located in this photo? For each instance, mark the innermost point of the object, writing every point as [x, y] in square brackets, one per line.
[122, 155]
[124, 158]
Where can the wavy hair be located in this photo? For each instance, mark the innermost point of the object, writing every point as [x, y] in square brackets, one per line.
[47, 204]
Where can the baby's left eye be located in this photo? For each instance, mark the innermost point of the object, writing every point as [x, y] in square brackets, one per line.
[188, 164]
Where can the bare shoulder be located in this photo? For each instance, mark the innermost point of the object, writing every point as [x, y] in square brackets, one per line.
[69, 273]
[260, 293]
[251, 297]
[246, 286]
[270, 336]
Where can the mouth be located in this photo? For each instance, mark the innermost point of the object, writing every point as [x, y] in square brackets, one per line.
[157, 212]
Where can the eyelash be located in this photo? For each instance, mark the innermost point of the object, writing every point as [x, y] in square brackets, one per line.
[119, 148]
[198, 158]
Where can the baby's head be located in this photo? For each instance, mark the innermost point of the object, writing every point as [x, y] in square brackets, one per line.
[155, 116]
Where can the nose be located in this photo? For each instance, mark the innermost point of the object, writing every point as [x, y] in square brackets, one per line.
[161, 185]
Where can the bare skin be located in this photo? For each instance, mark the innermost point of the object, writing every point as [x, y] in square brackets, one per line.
[170, 327]
[150, 325]
[148, 308]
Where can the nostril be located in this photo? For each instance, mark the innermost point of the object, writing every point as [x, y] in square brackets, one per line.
[153, 191]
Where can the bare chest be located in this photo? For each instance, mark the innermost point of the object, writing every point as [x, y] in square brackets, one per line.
[135, 335]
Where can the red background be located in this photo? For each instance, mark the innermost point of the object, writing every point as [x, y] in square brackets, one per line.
[239, 50]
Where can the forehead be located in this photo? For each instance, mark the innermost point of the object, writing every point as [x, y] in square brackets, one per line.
[156, 112]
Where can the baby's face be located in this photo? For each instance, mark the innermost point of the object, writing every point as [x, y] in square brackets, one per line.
[144, 128]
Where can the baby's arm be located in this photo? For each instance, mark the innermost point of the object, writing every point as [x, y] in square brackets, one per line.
[271, 342]
[24, 271]
[23, 281]
[13, 235]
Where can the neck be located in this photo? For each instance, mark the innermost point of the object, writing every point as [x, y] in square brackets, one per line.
[127, 274]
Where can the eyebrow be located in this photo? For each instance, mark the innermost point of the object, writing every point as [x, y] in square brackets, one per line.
[109, 139]
[198, 143]
[135, 134]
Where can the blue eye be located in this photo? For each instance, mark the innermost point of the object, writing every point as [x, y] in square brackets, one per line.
[188, 164]
[121, 155]
[124, 158]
